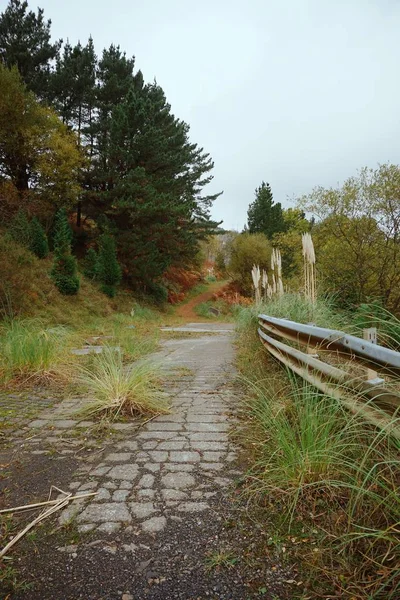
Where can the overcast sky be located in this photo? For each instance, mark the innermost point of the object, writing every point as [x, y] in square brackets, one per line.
[298, 93]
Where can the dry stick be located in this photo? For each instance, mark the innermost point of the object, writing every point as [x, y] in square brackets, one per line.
[30, 506]
[61, 503]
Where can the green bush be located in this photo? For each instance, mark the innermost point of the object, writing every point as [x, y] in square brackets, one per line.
[38, 243]
[248, 250]
[107, 268]
[19, 229]
[64, 271]
[91, 264]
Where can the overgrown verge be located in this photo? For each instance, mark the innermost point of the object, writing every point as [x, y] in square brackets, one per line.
[328, 481]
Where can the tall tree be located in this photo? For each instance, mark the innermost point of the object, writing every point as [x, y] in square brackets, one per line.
[155, 177]
[37, 153]
[25, 43]
[264, 215]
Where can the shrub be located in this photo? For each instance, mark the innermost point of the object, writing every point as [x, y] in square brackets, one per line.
[248, 250]
[19, 229]
[91, 264]
[64, 271]
[38, 243]
[107, 267]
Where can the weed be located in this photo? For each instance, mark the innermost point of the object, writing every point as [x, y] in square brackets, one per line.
[219, 560]
[115, 389]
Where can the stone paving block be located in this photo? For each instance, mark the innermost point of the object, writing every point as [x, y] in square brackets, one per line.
[153, 467]
[154, 525]
[207, 427]
[178, 467]
[125, 485]
[178, 480]
[126, 472]
[158, 456]
[192, 507]
[212, 466]
[146, 481]
[64, 424]
[103, 494]
[104, 513]
[204, 436]
[173, 495]
[200, 418]
[150, 445]
[99, 471]
[156, 426]
[120, 495]
[145, 494]
[212, 456]
[173, 445]
[38, 423]
[172, 418]
[209, 446]
[157, 435]
[109, 527]
[184, 457]
[141, 457]
[118, 457]
[127, 445]
[142, 510]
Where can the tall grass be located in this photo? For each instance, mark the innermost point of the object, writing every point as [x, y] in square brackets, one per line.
[296, 308]
[115, 389]
[326, 475]
[30, 349]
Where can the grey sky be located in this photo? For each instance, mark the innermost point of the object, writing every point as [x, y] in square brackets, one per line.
[295, 92]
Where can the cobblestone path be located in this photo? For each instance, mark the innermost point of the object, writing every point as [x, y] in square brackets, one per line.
[177, 462]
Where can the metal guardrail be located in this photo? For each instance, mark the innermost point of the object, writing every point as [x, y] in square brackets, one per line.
[372, 355]
[370, 398]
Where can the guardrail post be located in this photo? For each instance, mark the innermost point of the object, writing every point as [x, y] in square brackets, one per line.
[370, 334]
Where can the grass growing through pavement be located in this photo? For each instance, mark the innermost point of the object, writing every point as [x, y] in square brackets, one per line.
[115, 389]
[30, 349]
[328, 480]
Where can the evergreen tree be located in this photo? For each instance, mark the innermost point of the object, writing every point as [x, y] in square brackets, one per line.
[64, 271]
[38, 239]
[91, 264]
[107, 268]
[25, 43]
[19, 229]
[263, 215]
[154, 178]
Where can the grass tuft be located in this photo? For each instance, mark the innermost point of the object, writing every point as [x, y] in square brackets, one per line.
[116, 389]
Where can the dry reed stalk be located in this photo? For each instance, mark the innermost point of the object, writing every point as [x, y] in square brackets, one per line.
[55, 506]
[309, 267]
[256, 276]
[264, 283]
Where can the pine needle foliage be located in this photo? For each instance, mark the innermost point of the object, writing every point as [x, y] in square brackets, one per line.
[64, 271]
[38, 239]
[107, 268]
[90, 264]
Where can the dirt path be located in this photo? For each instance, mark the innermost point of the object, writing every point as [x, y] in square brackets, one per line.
[166, 522]
[187, 312]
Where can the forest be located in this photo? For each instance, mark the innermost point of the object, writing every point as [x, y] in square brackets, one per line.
[86, 142]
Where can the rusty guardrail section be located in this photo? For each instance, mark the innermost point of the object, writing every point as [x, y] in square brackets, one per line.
[364, 394]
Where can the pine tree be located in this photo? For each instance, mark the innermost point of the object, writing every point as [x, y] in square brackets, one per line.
[19, 229]
[25, 42]
[38, 239]
[64, 271]
[263, 215]
[107, 269]
[91, 264]
[154, 180]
